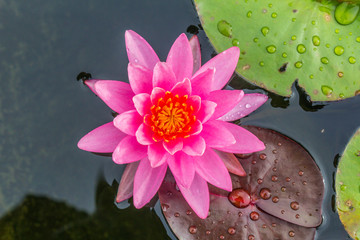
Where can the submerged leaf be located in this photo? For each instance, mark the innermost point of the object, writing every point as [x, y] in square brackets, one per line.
[348, 187]
[285, 188]
[314, 42]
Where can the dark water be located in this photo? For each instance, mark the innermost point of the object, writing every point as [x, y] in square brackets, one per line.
[49, 189]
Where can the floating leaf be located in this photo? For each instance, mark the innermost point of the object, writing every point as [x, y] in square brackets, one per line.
[348, 187]
[314, 42]
[281, 197]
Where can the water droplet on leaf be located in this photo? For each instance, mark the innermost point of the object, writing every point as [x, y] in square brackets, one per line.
[316, 40]
[225, 28]
[339, 50]
[346, 13]
[271, 49]
[265, 30]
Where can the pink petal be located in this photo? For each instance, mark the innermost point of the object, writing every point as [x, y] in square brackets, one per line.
[231, 162]
[126, 185]
[117, 95]
[163, 76]
[196, 128]
[142, 103]
[144, 135]
[197, 196]
[173, 146]
[156, 94]
[248, 104]
[140, 78]
[194, 145]
[195, 101]
[128, 122]
[157, 154]
[91, 84]
[246, 142]
[225, 100]
[206, 111]
[217, 135]
[103, 139]
[129, 150]
[196, 52]
[183, 168]
[139, 50]
[180, 58]
[211, 168]
[202, 81]
[225, 64]
[147, 182]
[182, 88]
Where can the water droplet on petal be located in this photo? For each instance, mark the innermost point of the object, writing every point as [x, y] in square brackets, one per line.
[239, 198]
[275, 199]
[231, 230]
[247, 105]
[221, 237]
[288, 179]
[294, 205]
[208, 232]
[164, 207]
[225, 28]
[301, 173]
[291, 233]
[262, 156]
[188, 212]
[192, 229]
[274, 178]
[265, 193]
[254, 216]
[283, 189]
[177, 214]
[251, 237]
[259, 181]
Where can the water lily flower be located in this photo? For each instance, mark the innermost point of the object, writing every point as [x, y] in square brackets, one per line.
[174, 114]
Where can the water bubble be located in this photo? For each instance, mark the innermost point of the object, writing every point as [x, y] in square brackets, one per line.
[239, 198]
[192, 229]
[262, 156]
[274, 15]
[254, 216]
[235, 42]
[274, 178]
[301, 173]
[294, 205]
[248, 14]
[265, 193]
[225, 28]
[251, 237]
[271, 49]
[324, 60]
[316, 40]
[298, 64]
[352, 60]
[339, 50]
[291, 233]
[346, 13]
[231, 230]
[275, 199]
[265, 30]
[301, 48]
[326, 90]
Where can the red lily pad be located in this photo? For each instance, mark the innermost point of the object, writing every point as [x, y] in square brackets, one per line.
[285, 188]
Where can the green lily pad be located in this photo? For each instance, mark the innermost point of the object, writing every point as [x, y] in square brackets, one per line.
[348, 187]
[284, 41]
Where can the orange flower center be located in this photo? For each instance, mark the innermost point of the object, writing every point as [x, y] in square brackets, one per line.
[171, 117]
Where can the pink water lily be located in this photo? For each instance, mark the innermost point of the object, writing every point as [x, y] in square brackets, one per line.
[174, 114]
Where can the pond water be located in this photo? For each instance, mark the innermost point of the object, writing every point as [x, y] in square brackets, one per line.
[49, 189]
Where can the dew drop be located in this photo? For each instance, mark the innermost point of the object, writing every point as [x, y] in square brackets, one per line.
[251, 237]
[274, 178]
[291, 233]
[346, 13]
[316, 40]
[324, 60]
[339, 50]
[192, 229]
[275, 199]
[225, 28]
[248, 14]
[235, 42]
[301, 173]
[271, 49]
[265, 193]
[262, 156]
[326, 90]
[298, 64]
[294, 205]
[231, 230]
[301, 48]
[239, 198]
[254, 216]
[265, 30]
[274, 15]
[352, 60]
